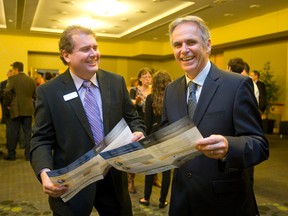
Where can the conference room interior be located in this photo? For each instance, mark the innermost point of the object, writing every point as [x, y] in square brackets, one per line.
[257, 40]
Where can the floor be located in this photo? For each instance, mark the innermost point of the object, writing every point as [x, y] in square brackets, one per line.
[21, 193]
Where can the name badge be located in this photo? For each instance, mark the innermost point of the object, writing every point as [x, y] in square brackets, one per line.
[70, 96]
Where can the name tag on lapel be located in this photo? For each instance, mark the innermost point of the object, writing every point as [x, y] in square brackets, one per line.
[70, 96]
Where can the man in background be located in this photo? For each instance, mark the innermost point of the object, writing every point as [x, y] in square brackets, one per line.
[255, 75]
[19, 93]
[237, 65]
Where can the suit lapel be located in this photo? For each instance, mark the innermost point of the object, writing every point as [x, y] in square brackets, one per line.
[182, 97]
[75, 103]
[208, 90]
[105, 90]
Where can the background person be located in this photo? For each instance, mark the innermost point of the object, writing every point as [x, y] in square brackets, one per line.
[153, 112]
[20, 89]
[62, 131]
[216, 182]
[255, 75]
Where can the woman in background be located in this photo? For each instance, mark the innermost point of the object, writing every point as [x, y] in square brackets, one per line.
[138, 95]
[153, 112]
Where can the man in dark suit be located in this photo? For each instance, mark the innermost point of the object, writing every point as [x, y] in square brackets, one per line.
[62, 133]
[19, 93]
[226, 114]
[255, 75]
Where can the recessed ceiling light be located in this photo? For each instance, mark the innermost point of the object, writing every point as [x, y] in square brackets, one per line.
[228, 14]
[106, 7]
[140, 11]
[220, 1]
[68, 2]
[56, 20]
[254, 6]
[124, 19]
[64, 12]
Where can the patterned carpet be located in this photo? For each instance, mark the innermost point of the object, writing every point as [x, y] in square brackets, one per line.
[21, 193]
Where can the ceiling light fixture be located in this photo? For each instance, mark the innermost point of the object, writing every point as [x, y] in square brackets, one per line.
[87, 22]
[106, 7]
[254, 6]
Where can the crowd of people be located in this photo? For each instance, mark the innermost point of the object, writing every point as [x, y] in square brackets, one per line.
[223, 106]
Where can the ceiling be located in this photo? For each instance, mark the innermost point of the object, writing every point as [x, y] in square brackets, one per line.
[136, 19]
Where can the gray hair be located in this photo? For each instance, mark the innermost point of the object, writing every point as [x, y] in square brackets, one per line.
[205, 33]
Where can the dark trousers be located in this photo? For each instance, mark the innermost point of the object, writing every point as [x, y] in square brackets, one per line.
[14, 133]
[166, 178]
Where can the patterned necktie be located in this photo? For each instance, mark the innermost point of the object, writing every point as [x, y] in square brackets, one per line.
[93, 113]
[192, 101]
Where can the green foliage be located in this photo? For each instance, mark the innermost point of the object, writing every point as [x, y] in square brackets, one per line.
[272, 88]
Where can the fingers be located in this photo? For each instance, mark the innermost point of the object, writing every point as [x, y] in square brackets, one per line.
[215, 146]
[137, 136]
[51, 189]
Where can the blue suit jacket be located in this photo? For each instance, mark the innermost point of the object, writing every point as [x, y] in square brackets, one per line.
[62, 133]
[226, 106]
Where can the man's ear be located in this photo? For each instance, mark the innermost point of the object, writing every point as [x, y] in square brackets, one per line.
[208, 46]
[65, 55]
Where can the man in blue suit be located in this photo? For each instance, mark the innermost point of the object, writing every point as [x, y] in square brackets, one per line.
[62, 133]
[216, 182]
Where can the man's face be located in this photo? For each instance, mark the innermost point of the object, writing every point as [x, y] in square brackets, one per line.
[84, 59]
[189, 50]
[253, 76]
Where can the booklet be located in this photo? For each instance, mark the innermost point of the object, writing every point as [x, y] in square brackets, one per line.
[168, 148]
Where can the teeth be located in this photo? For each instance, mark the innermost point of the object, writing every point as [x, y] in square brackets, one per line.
[187, 58]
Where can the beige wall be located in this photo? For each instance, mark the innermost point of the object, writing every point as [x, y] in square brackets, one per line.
[124, 58]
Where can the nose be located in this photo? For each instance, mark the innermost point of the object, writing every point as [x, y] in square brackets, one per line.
[184, 48]
[93, 51]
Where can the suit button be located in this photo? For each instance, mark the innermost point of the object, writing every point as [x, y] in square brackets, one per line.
[188, 175]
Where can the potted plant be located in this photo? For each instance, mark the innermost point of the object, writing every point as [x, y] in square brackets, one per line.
[272, 90]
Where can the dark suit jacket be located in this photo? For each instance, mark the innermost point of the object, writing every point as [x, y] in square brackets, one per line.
[22, 88]
[262, 95]
[62, 126]
[226, 106]
[3, 107]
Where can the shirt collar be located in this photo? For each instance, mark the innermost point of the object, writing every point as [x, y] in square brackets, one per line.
[78, 81]
[200, 78]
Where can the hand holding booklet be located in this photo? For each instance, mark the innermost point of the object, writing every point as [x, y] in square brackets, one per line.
[168, 148]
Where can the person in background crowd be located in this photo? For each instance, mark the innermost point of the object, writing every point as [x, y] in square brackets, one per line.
[39, 80]
[255, 75]
[153, 112]
[2, 87]
[138, 95]
[20, 90]
[64, 130]
[48, 76]
[237, 65]
[217, 182]
[133, 83]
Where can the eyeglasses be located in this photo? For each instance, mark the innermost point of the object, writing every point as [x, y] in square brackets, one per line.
[146, 77]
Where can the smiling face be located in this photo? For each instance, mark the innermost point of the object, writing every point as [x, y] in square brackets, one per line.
[190, 51]
[84, 59]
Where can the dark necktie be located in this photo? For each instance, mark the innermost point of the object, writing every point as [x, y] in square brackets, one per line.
[93, 113]
[192, 101]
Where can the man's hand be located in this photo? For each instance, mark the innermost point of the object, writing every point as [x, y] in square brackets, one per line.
[49, 188]
[214, 146]
[137, 136]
